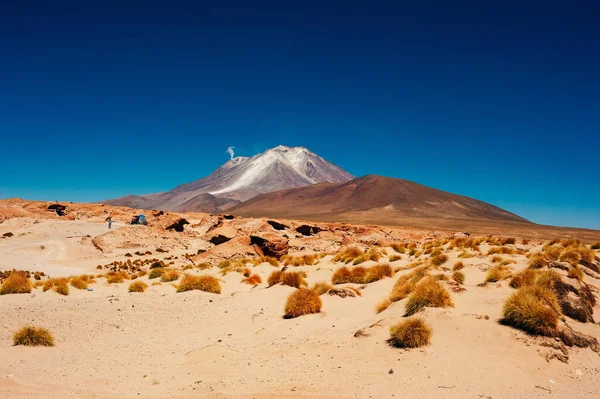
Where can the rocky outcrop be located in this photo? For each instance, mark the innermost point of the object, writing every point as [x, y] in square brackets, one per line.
[307, 230]
[222, 234]
[270, 245]
[277, 225]
[178, 225]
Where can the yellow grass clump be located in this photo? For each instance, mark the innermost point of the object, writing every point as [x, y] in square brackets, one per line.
[302, 301]
[169, 275]
[138, 286]
[575, 272]
[33, 336]
[383, 305]
[552, 251]
[58, 285]
[274, 278]
[378, 272]
[498, 273]
[571, 256]
[16, 283]
[538, 260]
[293, 279]
[79, 283]
[524, 278]
[502, 251]
[399, 247]
[410, 333]
[439, 259]
[428, 293]
[595, 245]
[395, 258]
[533, 309]
[347, 255]
[156, 273]
[459, 277]
[202, 283]
[458, 266]
[321, 287]
[270, 260]
[253, 279]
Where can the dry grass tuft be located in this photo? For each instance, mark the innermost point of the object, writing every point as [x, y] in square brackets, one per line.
[428, 293]
[410, 333]
[33, 336]
[524, 278]
[202, 283]
[348, 255]
[274, 278]
[270, 260]
[498, 273]
[169, 275]
[459, 277]
[253, 279]
[58, 285]
[138, 286]
[301, 302]
[458, 266]
[383, 305]
[321, 287]
[595, 245]
[533, 309]
[439, 259]
[293, 279]
[399, 247]
[571, 256]
[538, 260]
[16, 283]
[395, 258]
[378, 272]
[156, 273]
[575, 272]
[502, 251]
[79, 283]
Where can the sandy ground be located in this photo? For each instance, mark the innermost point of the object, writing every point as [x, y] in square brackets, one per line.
[163, 344]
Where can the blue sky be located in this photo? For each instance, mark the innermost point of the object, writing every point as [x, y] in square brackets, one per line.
[500, 102]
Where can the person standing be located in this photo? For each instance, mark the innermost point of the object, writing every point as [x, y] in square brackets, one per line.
[109, 220]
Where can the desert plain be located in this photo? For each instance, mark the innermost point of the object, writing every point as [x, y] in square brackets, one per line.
[161, 343]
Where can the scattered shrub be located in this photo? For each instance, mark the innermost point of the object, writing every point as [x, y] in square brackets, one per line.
[377, 272]
[498, 273]
[395, 258]
[293, 279]
[202, 283]
[156, 273]
[532, 309]
[321, 287]
[16, 283]
[553, 251]
[347, 255]
[428, 292]
[524, 278]
[501, 251]
[169, 275]
[575, 272]
[459, 277]
[400, 248]
[33, 336]
[439, 260]
[116, 277]
[509, 241]
[274, 278]
[383, 305]
[458, 266]
[58, 285]
[342, 275]
[253, 279]
[302, 301]
[138, 286]
[538, 260]
[79, 283]
[595, 245]
[410, 333]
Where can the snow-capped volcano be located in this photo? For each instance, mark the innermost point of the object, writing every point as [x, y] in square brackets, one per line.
[242, 178]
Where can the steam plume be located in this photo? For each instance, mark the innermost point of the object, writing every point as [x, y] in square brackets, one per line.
[230, 151]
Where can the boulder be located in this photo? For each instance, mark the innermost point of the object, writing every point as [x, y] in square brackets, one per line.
[277, 225]
[307, 230]
[270, 244]
[222, 234]
[178, 225]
